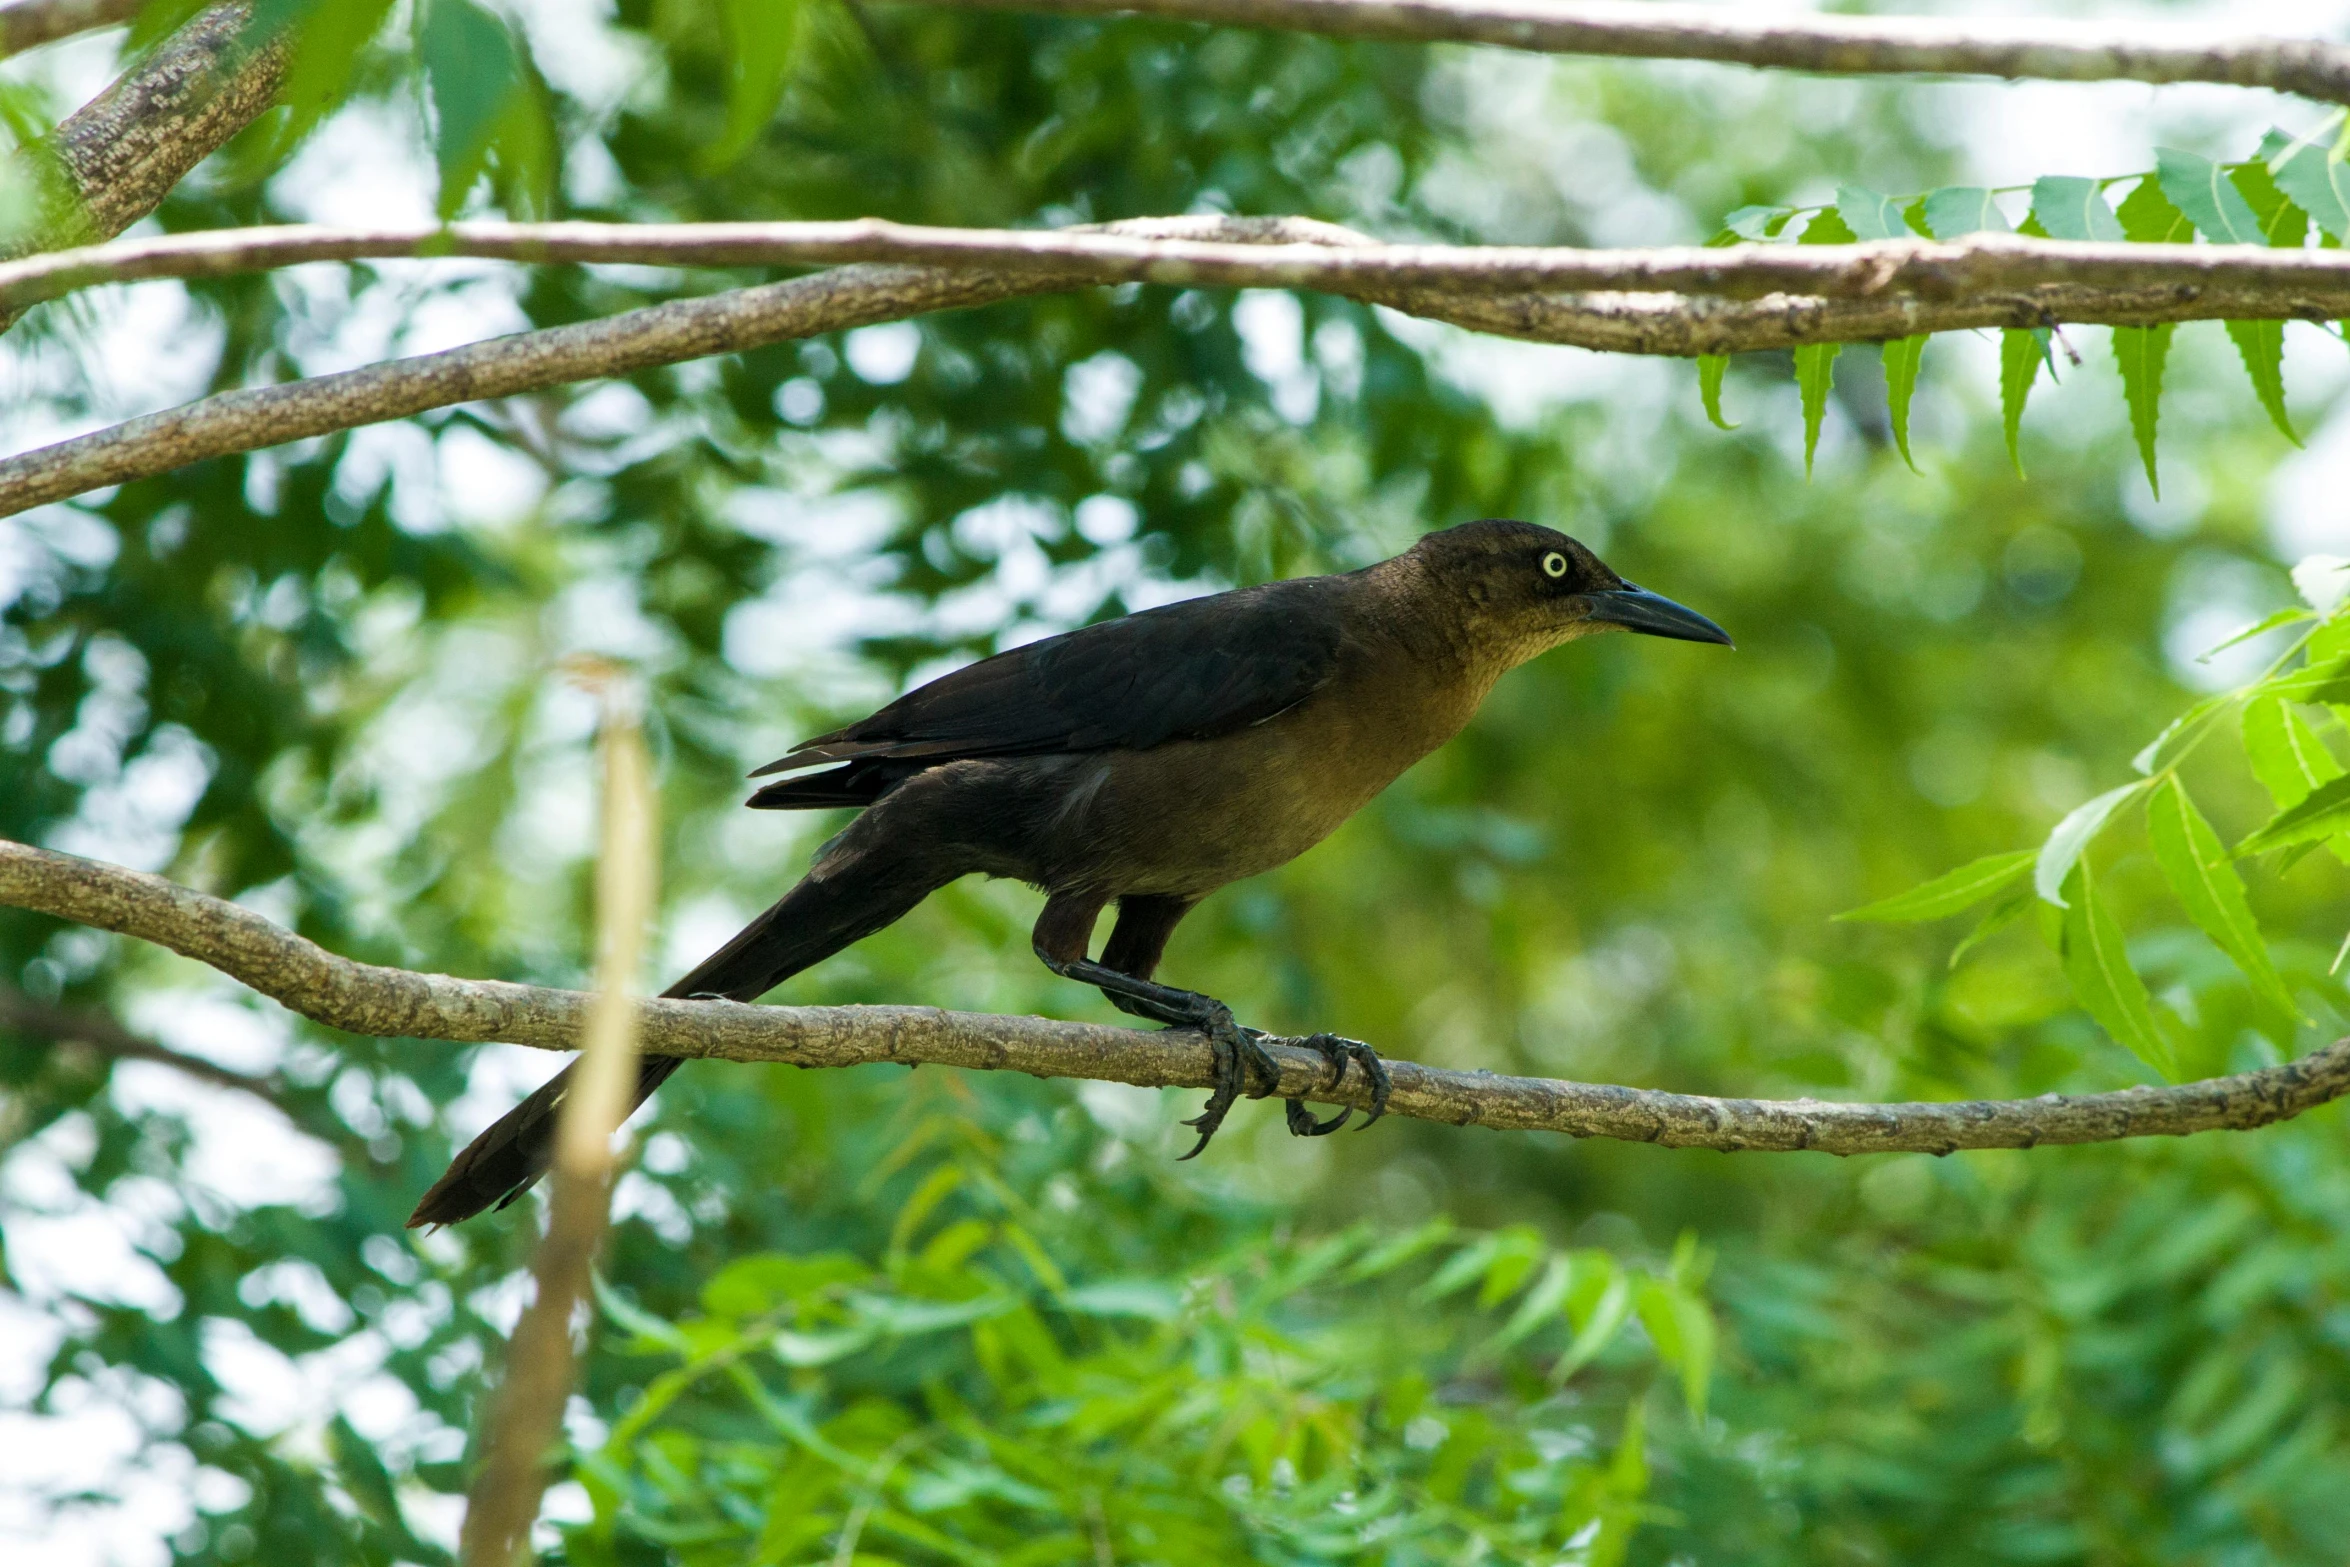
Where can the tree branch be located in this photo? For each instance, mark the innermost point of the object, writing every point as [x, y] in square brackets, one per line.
[31, 23]
[2197, 282]
[2250, 282]
[1830, 45]
[364, 999]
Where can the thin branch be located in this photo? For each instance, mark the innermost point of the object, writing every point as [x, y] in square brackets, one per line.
[860, 295]
[97, 1031]
[31, 23]
[2251, 282]
[1829, 45]
[364, 999]
[527, 1416]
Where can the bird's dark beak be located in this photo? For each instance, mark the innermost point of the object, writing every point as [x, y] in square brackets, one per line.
[1653, 615]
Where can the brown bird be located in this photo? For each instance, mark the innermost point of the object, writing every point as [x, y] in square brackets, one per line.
[1144, 761]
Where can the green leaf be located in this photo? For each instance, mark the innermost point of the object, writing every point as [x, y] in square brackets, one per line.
[1902, 357]
[2069, 207]
[1709, 387]
[1608, 1315]
[2203, 875]
[2148, 218]
[2317, 180]
[1541, 1304]
[1827, 227]
[2290, 615]
[475, 71]
[1869, 215]
[1682, 1329]
[1950, 892]
[2001, 915]
[2202, 190]
[1754, 223]
[1815, 373]
[2097, 966]
[760, 47]
[2286, 754]
[2021, 353]
[2140, 352]
[2062, 851]
[2261, 345]
[1964, 209]
[2324, 811]
[2282, 222]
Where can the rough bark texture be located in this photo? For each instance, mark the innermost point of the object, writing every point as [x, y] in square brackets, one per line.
[363, 999]
[1831, 45]
[2241, 283]
[121, 153]
[30, 23]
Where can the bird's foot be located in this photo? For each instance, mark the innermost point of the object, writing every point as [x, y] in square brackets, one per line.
[1338, 1051]
[1239, 1053]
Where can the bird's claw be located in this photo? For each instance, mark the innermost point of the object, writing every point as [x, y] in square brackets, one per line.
[1338, 1051]
[1239, 1053]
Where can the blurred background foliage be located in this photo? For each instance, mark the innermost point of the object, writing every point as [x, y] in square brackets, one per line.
[872, 1316]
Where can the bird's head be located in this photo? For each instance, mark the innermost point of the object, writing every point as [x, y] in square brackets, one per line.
[1522, 589]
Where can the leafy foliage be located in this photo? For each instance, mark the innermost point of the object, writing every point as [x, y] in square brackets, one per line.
[2265, 200]
[318, 678]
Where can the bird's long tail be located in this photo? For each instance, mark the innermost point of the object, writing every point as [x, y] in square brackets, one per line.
[817, 918]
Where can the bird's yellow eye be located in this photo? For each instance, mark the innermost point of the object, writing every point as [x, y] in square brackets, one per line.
[1554, 564]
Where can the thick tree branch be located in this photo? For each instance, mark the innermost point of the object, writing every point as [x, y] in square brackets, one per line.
[31, 23]
[364, 999]
[120, 154]
[1830, 45]
[2252, 282]
[2198, 282]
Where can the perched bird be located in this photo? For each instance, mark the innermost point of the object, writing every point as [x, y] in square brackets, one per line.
[1144, 761]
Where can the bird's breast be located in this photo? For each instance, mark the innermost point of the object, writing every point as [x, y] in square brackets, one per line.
[1192, 815]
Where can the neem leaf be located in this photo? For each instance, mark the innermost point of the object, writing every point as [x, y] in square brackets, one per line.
[2001, 915]
[2097, 966]
[2324, 812]
[2317, 180]
[2286, 754]
[2071, 836]
[2140, 352]
[1709, 387]
[1902, 357]
[1869, 215]
[2202, 190]
[2203, 875]
[2020, 355]
[2261, 345]
[1815, 363]
[2069, 207]
[1951, 891]
[1964, 209]
[1757, 223]
[2290, 615]
[2148, 218]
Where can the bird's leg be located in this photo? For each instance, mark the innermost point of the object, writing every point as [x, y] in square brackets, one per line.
[1338, 1051]
[1239, 1052]
[1064, 931]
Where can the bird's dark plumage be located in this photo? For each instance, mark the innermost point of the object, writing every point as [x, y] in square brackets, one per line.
[1144, 761]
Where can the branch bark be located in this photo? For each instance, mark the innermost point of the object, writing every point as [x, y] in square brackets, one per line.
[364, 999]
[31, 23]
[1828, 45]
[2251, 282]
[2197, 282]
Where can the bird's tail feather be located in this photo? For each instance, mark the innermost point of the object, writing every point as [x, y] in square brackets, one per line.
[808, 924]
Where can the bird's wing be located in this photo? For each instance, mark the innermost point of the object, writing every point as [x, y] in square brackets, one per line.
[1189, 670]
